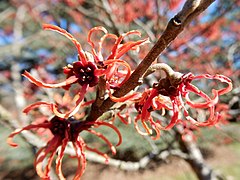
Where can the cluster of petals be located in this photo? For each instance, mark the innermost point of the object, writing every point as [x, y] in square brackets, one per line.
[65, 131]
[90, 66]
[171, 93]
[85, 72]
[174, 95]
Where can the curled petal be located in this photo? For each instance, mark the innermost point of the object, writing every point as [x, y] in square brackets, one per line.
[69, 36]
[108, 35]
[157, 133]
[138, 129]
[37, 105]
[212, 120]
[113, 149]
[31, 126]
[99, 28]
[156, 129]
[129, 45]
[113, 127]
[78, 102]
[40, 171]
[123, 118]
[194, 89]
[97, 56]
[221, 78]
[148, 104]
[174, 118]
[68, 81]
[49, 163]
[113, 36]
[119, 40]
[52, 107]
[149, 131]
[51, 148]
[111, 73]
[81, 157]
[209, 102]
[98, 152]
[161, 102]
[59, 159]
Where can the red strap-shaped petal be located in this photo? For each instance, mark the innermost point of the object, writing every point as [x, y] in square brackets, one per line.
[130, 45]
[68, 81]
[69, 36]
[97, 55]
[174, 118]
[113, 127]
[81, 157]
[221, 78]
[59, 159]
[110, 145]
[31, 126]
[114, 51]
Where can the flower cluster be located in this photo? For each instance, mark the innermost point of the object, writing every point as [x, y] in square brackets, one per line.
[89, 67]
[108, 72]
[173, 93]
[66, 123]
[64, 131]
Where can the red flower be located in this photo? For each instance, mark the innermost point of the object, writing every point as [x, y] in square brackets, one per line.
[55, 108]
[172, 93]
[71, 78]
[84, 73]
[64, 131]
[144, 105]
[89, 67]
[116, 71]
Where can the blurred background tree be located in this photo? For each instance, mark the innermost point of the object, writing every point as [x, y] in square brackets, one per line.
[210, 44]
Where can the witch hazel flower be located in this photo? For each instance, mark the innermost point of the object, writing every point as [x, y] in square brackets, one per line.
[81, 72]
[58, 109]
[144, 105]
[173, 93]
[78, 72]
[65, 131]
[89, 67]
[63, 126]
[116, 70]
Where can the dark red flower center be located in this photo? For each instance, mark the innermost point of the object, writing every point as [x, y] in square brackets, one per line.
[166, 87]
[138, 107]
[70, 127]
[85, 73]
[58, 126]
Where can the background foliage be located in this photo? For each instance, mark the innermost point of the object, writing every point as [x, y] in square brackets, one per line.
[209, 45]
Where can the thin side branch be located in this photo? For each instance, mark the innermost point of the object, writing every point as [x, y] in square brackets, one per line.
[129, 165]
[196, 161]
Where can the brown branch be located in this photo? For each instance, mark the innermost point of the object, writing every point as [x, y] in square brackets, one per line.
[190, 10]
[6, 14]
[92, 16]
[111, 17]
[196, 161]
[129, 165]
